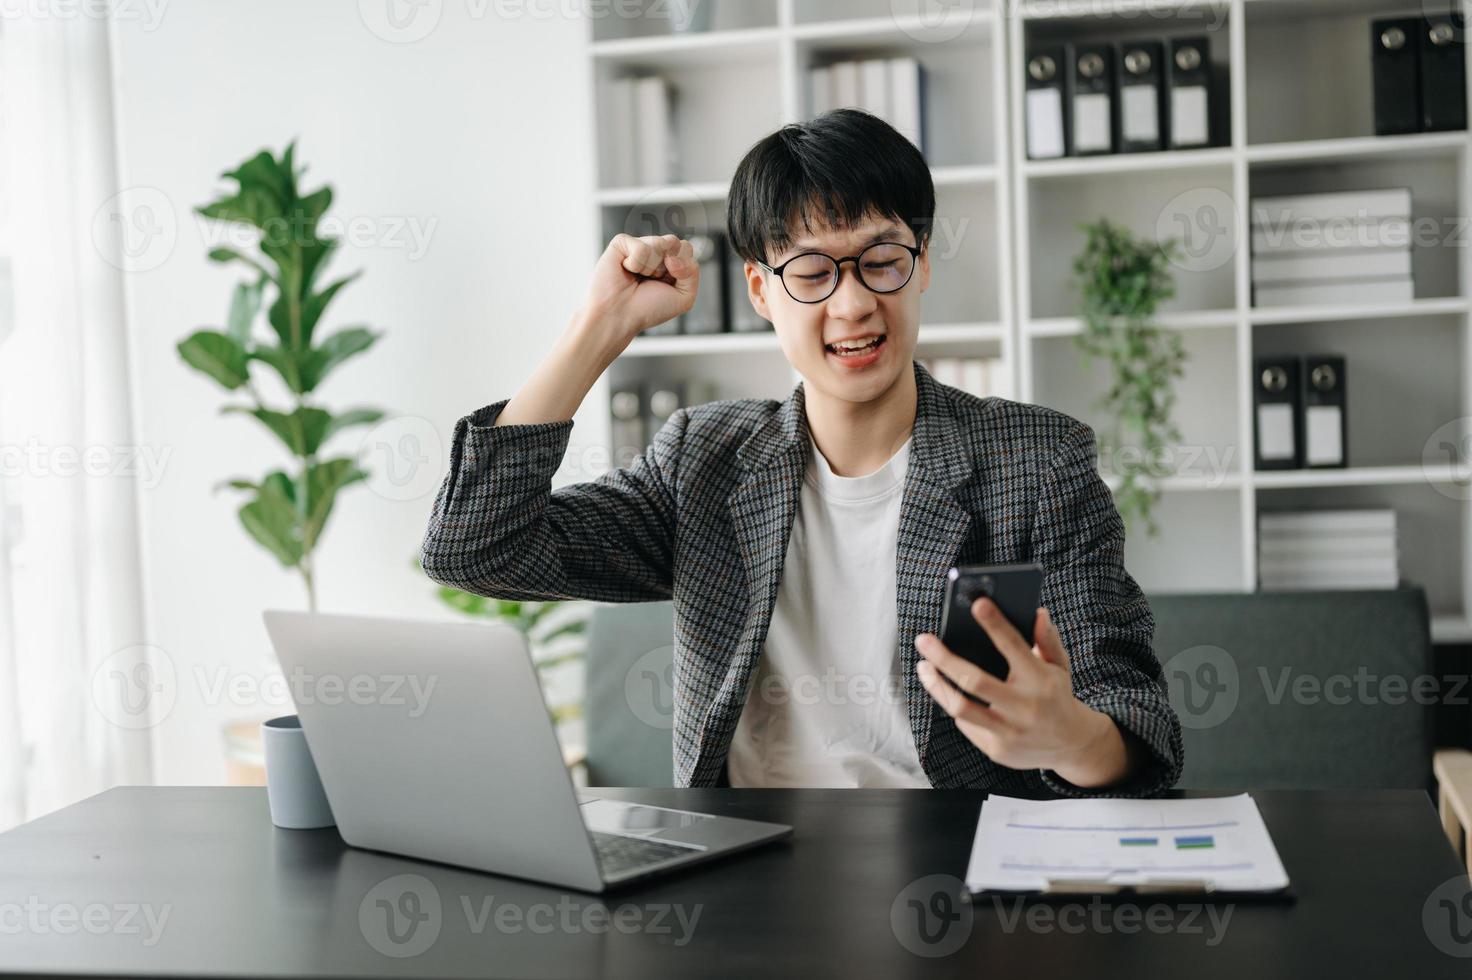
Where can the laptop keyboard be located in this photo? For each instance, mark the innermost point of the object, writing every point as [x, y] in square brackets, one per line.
[617, 854]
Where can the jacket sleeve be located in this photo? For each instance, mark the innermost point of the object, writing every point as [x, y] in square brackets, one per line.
[1103, 617]
[499, 529]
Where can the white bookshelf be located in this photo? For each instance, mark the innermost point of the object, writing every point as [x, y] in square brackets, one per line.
[1003, 286]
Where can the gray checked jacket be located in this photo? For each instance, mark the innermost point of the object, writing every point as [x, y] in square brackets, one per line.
[703, 517]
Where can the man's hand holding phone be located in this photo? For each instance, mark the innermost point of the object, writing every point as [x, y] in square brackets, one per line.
[1031, 720]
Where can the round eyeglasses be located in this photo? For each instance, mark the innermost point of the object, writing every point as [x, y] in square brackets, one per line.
[884, 267]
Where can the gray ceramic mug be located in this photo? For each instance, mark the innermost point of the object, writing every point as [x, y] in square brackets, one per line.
[293, 787]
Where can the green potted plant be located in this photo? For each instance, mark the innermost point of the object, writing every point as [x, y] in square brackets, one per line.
[1122, 282]
[286, 510]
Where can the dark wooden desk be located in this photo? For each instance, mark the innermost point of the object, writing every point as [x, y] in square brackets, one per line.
[245, 899]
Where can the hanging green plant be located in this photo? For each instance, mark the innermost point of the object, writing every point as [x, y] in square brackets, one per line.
[1122, 282]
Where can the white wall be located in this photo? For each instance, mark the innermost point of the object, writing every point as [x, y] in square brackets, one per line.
[481, 132]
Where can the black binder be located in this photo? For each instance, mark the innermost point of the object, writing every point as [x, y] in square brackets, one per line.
[708, 315]
[1276, 413]
[1325, 422]
[1395, 65]
[1444, 73]
[1047, 102]
[1188, 86]
[1095, 108]
[1141, 71]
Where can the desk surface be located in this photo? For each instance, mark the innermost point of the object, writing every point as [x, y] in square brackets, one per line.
[196, 881]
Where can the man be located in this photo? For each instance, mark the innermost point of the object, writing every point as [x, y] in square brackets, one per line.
[805, 544]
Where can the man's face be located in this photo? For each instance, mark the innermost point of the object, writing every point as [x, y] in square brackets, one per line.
[807, 331]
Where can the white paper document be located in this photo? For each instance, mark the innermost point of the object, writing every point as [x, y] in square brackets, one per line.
[1029, 845]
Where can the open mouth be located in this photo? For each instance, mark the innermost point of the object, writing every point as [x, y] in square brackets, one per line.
[856, 348]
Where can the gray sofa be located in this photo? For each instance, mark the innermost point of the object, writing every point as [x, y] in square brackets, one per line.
[1308, 690]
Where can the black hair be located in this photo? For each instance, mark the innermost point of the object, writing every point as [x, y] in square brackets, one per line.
[835, 169]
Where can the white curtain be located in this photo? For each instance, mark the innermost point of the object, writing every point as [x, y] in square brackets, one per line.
[71, 611]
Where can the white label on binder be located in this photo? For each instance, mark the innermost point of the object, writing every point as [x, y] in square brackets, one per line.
[1091, 123]
[1322, 440]
[1141, 113]
[1188, 116]
[1275, 431]
[1044, 123]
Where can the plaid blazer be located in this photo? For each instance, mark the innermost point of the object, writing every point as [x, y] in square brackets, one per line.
[703, 517]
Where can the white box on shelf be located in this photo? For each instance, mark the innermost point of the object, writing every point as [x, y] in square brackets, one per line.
[621, 133]
[1400, 290]
[1337, 521]
[1321, 238]
[654, 108]
[1319, 268]
[820, 90]
[1339, 206]
[874, 87]
[906, 99]
[845, 78]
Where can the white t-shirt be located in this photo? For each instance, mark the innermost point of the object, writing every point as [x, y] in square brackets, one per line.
[826, 707]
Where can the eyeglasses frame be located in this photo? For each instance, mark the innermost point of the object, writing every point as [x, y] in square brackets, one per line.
[914, 251]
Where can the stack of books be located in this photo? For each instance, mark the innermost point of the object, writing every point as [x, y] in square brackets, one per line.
[1332, 248]
[980, 376]
[1327, 549]
[638, 132]
[891, 88]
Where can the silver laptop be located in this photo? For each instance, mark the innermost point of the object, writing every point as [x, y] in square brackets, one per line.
[433, 741]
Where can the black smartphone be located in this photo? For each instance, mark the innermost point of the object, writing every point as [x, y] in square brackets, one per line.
[1014, 588]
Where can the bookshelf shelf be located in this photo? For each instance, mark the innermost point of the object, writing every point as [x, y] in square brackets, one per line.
[1002, 284]
[705, 47]
[1203, 320]
[1445, 306]
[956, 20]
[713, 191]
[708, 192]
[1042, 10]
[1132, 163]
[1362, 476]
[1412, 146]
[716, 343]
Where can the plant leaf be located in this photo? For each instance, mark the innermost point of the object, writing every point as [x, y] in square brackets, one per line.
[302, 430]
[352, 417]
[245, 303]
[333, 351]
[218, 355]
[315, 304]
[286, 362]
[271, 519]
[324, 481]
